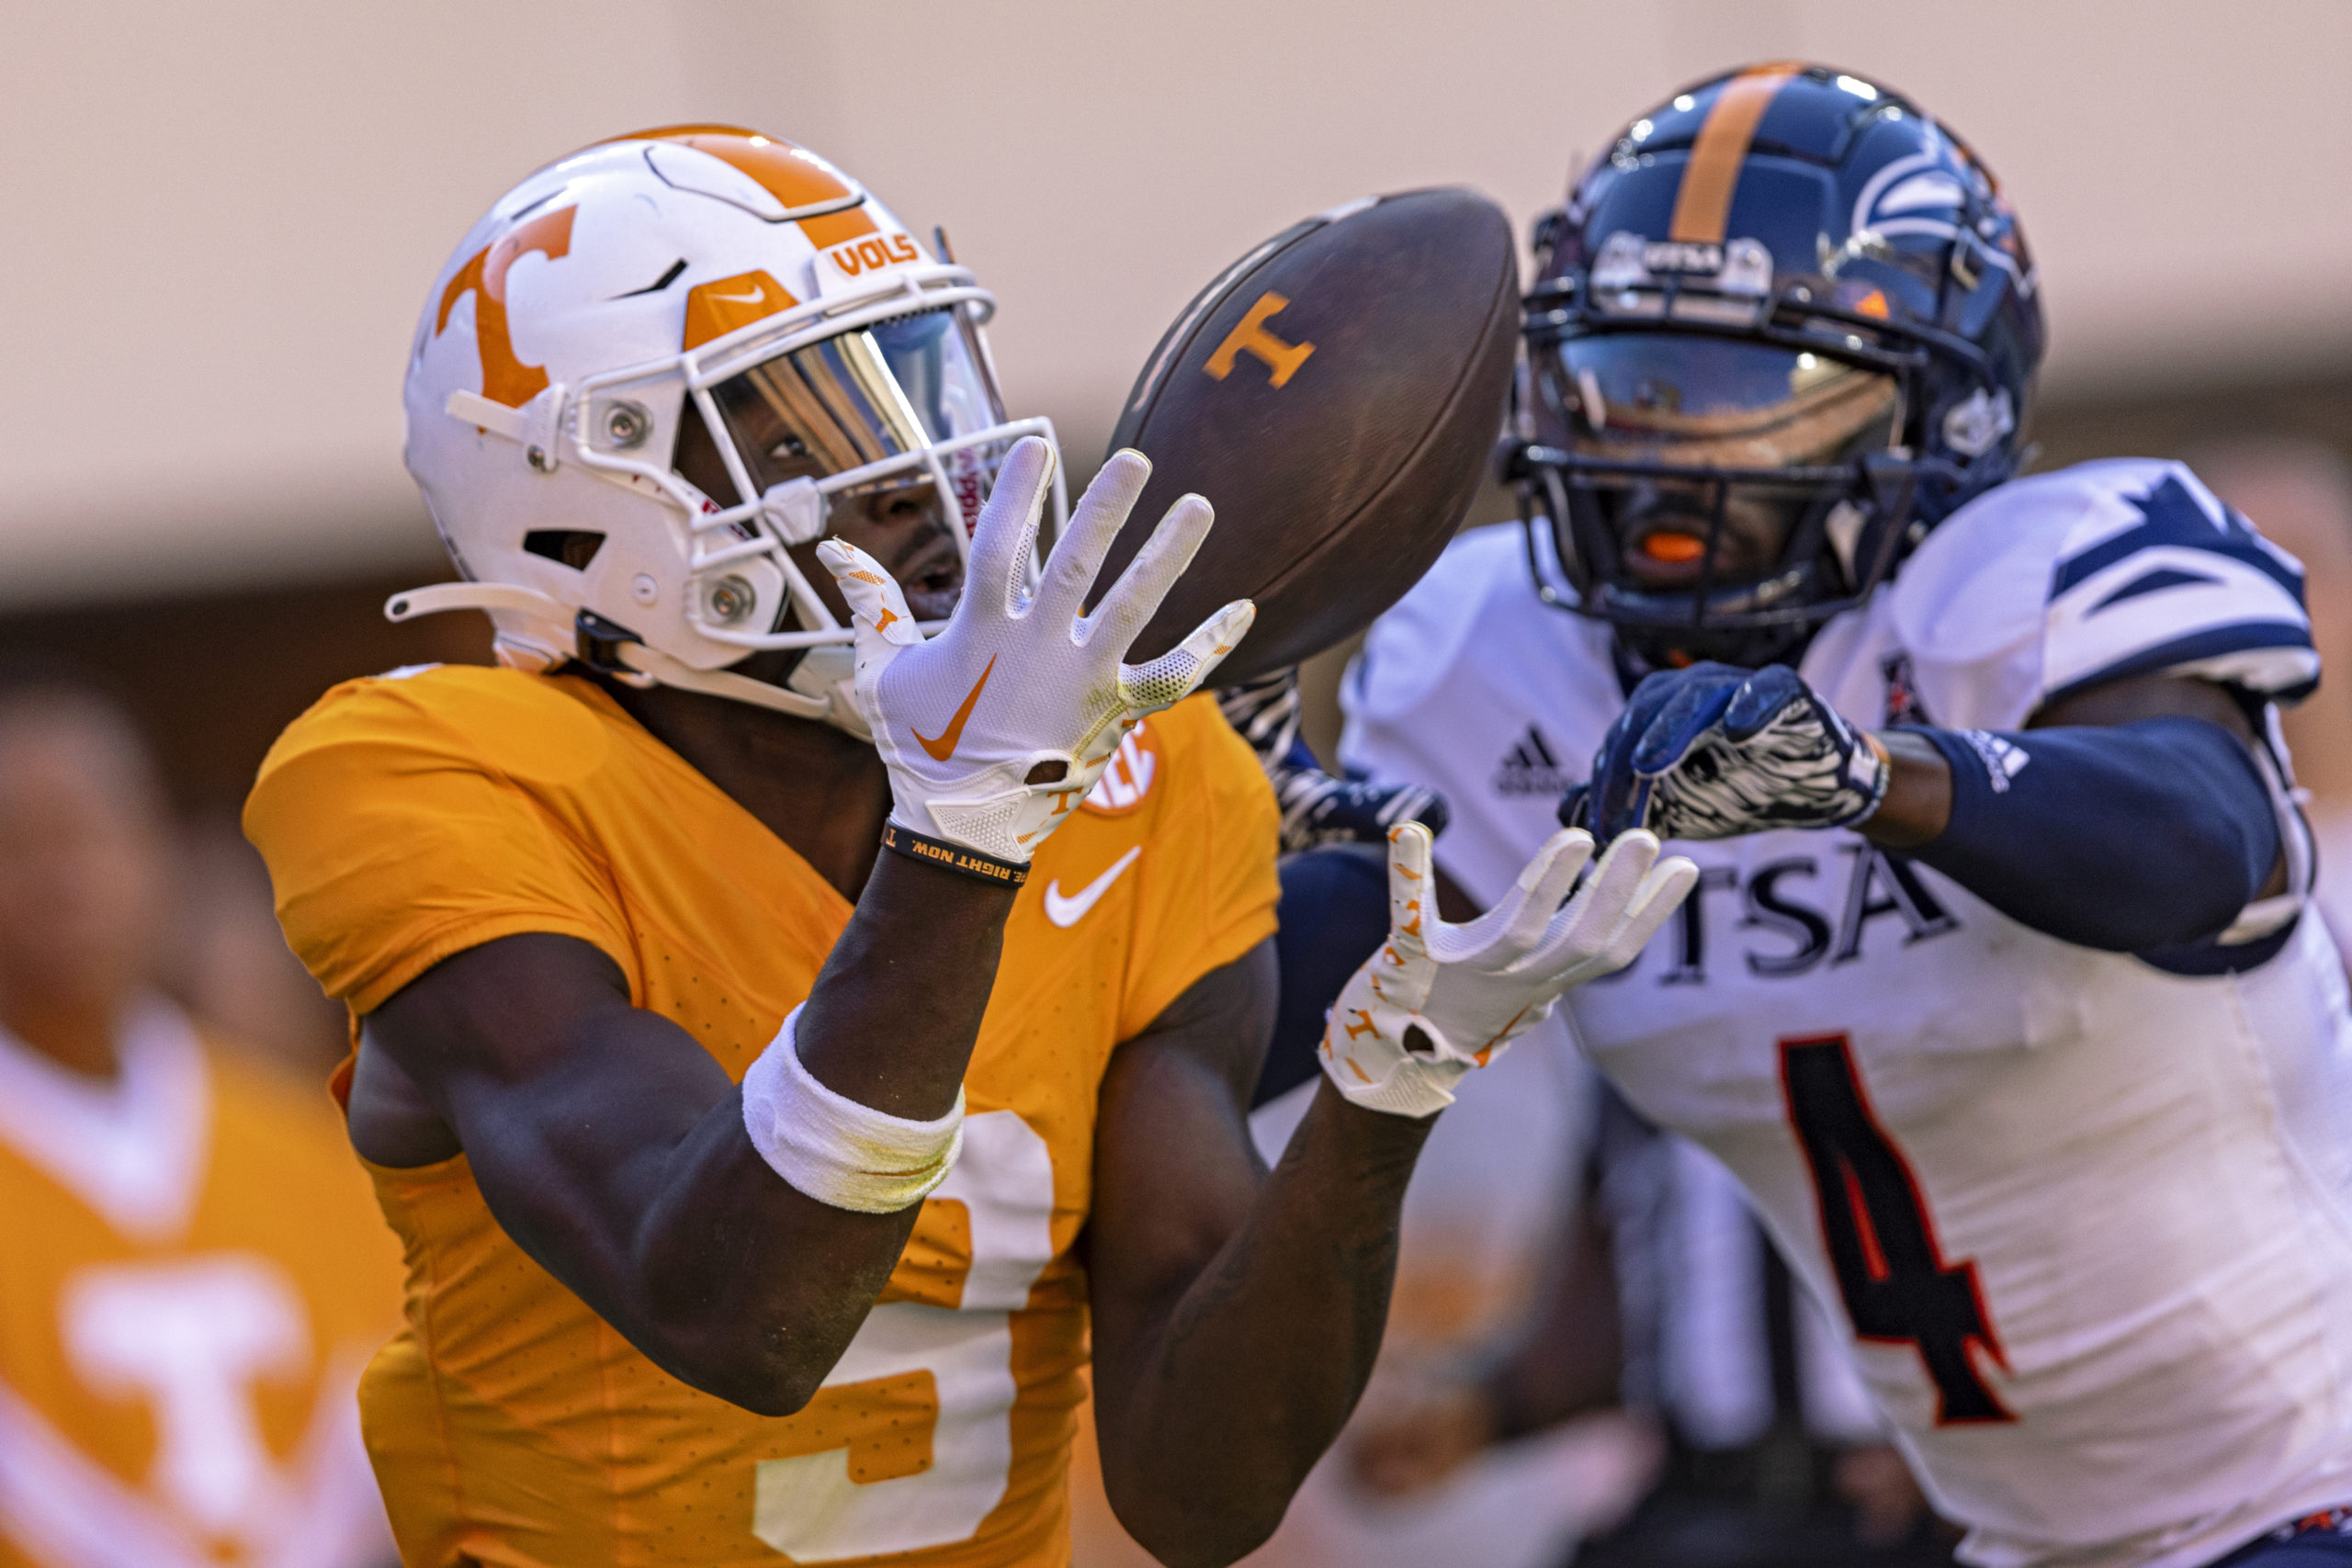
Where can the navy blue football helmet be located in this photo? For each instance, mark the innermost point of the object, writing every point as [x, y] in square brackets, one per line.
[1784, 326]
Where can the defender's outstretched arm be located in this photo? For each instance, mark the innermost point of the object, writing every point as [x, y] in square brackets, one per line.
[2130, 816]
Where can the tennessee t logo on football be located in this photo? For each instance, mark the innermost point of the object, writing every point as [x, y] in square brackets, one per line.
[1249, 336]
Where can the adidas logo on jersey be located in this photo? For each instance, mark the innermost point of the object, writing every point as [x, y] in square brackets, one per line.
[2002, 760]
[1532, 768]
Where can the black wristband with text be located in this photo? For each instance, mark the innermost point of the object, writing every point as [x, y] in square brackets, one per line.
[953, 857]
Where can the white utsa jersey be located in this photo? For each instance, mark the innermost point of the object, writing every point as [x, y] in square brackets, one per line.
[2088, 1220]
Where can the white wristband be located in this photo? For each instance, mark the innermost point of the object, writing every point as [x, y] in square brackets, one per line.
[836, 1150]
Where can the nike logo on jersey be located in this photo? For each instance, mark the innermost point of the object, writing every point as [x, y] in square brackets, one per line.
[1067, 910]
[943, 746]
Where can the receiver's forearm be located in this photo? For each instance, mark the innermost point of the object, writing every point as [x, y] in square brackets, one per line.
[892, 1018]
[1214, 1413]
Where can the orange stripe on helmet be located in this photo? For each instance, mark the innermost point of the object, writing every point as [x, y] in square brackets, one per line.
[783, 169]
[1711, 172]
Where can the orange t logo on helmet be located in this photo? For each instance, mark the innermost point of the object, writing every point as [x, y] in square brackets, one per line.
[505, 379]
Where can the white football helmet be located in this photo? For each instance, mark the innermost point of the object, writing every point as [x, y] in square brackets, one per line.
[690, 273]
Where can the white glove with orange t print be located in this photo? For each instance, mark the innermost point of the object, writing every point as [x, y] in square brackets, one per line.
[1438, 999]
[1021, 683]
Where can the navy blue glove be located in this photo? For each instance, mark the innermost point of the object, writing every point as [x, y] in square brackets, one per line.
[1318, 810]
[1712, 752]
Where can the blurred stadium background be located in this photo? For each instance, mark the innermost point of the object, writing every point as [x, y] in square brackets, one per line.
[221, 219]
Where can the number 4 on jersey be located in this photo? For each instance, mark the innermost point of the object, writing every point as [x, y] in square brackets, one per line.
[1898, 1289]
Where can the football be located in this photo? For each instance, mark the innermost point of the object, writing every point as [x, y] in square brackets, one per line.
[1335, 394]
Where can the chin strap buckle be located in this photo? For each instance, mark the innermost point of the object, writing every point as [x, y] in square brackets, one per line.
[597, 643]
[1508, 461]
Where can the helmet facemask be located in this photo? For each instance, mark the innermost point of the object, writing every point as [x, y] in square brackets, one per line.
[889, 436]
[1710, 493]
[1712, 497]
[888, 433]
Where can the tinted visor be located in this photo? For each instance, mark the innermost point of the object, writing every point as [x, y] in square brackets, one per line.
[1705, 402]
[888, 390]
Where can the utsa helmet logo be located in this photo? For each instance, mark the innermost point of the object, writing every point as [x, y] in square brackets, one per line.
[504, 378]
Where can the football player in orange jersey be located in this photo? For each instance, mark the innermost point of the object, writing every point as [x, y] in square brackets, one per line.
[759, 1188]
[195, 1274]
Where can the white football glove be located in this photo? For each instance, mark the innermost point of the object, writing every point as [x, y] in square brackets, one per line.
[1019, 678]
[1439, 999]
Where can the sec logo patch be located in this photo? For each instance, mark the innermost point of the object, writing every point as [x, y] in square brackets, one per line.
[1125, 783]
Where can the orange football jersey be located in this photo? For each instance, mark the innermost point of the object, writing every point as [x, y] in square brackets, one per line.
[408, 818]
[194, 1277]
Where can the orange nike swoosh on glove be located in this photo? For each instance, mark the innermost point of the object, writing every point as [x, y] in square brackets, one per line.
[943, 746]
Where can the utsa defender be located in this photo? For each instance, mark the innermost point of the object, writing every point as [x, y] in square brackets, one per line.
[1995, 993]
[759, 1187]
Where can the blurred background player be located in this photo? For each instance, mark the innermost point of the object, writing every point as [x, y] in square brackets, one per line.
[1943, 990]
[194, 1273]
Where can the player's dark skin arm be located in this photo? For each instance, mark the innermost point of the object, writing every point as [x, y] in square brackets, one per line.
[1237, 1313]
[1918, 792]
[610, 1145]
[607, 1142]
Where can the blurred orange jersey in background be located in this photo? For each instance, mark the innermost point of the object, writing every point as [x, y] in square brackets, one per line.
[408, 818]
[194, 1277]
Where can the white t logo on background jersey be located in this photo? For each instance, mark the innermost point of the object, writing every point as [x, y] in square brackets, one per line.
[1128, 778]
[190, 1338]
